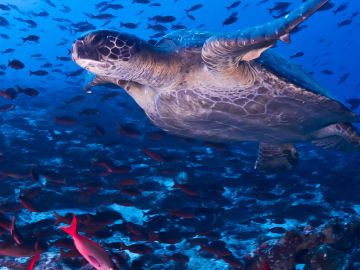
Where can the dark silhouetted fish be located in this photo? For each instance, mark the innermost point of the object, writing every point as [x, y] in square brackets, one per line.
[327, 6]
[129, 25]
[354, 103]
[341, 8]
[297, 55]
[50, 3]
[141, 1]
[280, 7]
[194, 8]
[163, 19]
[327, 72]
[33, 38]
[9, 50]
[344, 23]
[4, 7]
[40, 14]
[231, 19]
[102, 16]
[344, 78]
[39, 72]
[234, 5]
[16, 64]
[4, 22]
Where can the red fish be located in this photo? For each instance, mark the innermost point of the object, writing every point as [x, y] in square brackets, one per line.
[66, 120]
[137, 248]
[16, 236]
[156, 135]
[131, 191]
[110, 168]
[129, 130]
[155, 156]
[7, 107]
[265, 266]
[128, 182]
[214, 249]
[8, 94]
[186, 188]
[59, 219]
[177, 257]
[89, 189]
[28, 204]
[32, 262]
[90, 250]
[182, 213]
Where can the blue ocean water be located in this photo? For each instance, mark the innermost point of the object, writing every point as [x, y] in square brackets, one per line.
[151, 199]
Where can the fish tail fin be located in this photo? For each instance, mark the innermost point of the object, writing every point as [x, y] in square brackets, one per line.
[59, 219]
[72, 229]
[31, 72]
[36, 246]
[24, 39]
[89, 15]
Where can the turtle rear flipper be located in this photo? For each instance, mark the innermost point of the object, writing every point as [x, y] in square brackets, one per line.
[340, 136]
[276, 157]
[225, 51]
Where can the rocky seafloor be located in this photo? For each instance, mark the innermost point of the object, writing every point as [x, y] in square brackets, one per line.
[189, 204]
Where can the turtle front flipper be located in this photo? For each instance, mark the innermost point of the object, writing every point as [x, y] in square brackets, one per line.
[276, 157]
[142, 95]
[95, 80]
[340, 136]
[224, 52]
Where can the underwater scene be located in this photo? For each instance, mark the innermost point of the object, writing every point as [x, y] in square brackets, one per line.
[178, 134]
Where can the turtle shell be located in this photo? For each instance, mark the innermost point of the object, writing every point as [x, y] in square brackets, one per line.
[194, 40]
[289, 71]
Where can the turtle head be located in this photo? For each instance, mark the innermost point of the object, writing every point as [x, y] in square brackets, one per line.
[107, 53]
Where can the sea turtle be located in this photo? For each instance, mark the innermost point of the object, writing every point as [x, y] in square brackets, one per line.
[224, 87]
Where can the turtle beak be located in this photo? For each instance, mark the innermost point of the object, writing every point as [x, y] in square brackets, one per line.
[83, 50]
